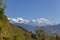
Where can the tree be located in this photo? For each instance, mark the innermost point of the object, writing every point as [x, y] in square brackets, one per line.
[40, 34]
[57, 37]
[6, 38]
[0, 29]
[15, 38]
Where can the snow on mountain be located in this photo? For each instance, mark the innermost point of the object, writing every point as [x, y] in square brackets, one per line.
[33, 25]
[18, 20]
[43, 20]
[40, 22]
[37, 22]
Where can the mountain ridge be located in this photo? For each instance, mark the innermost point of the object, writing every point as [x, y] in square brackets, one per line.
[11, 32]
[32, 26]
[35, 22]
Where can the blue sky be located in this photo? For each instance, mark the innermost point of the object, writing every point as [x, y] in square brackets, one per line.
[33, 9]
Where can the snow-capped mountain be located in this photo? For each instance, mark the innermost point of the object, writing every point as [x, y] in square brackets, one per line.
[33, 25]
[40, 22]
[37, 22]
[30, 25]
[18, 20]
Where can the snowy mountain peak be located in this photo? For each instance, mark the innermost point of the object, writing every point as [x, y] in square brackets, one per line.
[38, 22]
[33, 25]
[18, 20]
[43, 20]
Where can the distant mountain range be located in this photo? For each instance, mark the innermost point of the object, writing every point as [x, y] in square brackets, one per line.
[34, 25]
[36, 22]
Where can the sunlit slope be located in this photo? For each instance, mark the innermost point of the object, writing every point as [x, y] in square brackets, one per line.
[11, 32]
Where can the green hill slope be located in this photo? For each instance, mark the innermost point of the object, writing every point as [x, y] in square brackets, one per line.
[11, 32]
